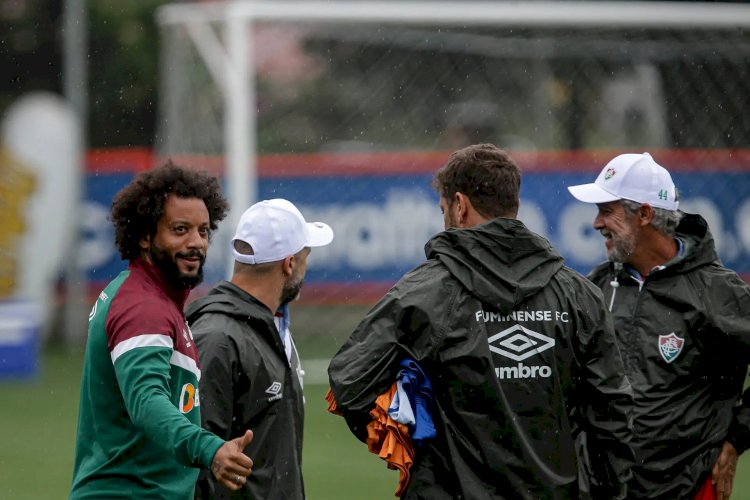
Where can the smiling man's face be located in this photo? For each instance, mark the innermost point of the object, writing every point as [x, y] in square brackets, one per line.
[619, 228]
[179, 246]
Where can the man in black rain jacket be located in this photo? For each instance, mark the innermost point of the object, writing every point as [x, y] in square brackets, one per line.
[251, 376]
[683, 325]
[519, 349]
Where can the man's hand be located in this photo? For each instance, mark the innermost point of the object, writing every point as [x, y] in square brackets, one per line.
[230, 465]
[722, 475]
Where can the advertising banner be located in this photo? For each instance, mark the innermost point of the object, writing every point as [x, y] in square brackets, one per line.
[383, 210]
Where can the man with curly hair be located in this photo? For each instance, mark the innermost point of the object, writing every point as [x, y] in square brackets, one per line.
[139, 433]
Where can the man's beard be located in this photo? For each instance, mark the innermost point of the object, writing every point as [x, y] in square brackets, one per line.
[623, 246]
[291, 290]
[168, 266]
[451, 220]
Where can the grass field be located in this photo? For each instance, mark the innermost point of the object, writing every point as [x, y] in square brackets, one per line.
[38, 424]
[37, 439]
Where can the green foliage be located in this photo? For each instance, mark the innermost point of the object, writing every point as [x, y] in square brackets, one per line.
[30, 49]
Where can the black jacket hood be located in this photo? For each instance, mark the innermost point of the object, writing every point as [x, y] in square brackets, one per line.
[230, 300]
[501, 262]
[700, 248]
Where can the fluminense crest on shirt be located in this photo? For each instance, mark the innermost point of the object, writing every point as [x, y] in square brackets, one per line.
[670, 346]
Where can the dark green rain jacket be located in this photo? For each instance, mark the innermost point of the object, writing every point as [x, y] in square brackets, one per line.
[248, 383]
[684, 334]
[522, 359]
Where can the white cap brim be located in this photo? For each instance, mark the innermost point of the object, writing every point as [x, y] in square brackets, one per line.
[319, 234]
[591, 193]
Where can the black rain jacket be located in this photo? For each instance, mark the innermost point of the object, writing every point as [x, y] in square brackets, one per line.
[248, 383]
[522, 358]
[684, 334]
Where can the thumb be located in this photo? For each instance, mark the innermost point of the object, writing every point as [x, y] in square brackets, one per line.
[245, 440]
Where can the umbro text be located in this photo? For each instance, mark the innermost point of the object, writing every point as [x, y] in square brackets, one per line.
[523, 371]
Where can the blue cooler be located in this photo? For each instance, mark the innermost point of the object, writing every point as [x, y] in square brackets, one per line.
[20, 325]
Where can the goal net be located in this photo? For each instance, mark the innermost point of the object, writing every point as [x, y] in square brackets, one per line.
[346, 108]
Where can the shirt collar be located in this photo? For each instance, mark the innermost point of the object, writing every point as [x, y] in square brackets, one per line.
[154, 274]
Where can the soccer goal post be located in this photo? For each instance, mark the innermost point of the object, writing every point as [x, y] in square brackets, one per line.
[245, 80]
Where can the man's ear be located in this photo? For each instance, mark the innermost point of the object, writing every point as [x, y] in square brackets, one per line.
[288, 265]
[145, 242]
[461, 205]
[645, 214]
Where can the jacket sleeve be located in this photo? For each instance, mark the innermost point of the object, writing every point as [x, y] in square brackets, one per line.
[401, 325]
[604, 404]
[729, 311]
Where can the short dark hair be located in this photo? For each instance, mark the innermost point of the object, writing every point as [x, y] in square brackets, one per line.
[487, 175]
[137, 208]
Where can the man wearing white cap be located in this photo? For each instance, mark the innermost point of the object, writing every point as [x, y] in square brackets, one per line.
[251, 374]
[683, 328]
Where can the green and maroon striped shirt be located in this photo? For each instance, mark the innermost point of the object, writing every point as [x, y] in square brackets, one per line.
[139, 433]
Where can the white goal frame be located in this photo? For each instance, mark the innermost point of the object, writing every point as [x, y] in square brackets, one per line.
[231, 63]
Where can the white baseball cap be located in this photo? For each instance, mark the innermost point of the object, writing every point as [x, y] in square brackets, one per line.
[635, 177]
[276, 229]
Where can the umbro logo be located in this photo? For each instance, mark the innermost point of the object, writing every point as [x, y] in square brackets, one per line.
[519, 343]
[275, 391]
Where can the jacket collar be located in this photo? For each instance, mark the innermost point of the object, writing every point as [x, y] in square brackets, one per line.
[227, 298]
